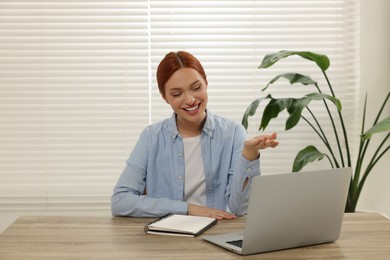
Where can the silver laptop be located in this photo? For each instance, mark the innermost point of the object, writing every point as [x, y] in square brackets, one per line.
[291, 210]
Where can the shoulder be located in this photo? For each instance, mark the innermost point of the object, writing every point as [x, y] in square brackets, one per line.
[227, 123]
[166, 127]
[157, 126]
[226, 126]
[224, 120]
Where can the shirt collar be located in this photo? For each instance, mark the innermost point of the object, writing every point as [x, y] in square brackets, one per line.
[208, 127]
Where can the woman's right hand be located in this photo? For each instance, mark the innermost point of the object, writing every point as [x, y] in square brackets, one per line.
[196, 210]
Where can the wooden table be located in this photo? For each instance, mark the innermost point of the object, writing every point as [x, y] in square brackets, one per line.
[364, 236]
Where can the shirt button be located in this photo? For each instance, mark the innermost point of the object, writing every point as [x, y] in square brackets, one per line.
[249, 170]
[180, 155]
[181, 178]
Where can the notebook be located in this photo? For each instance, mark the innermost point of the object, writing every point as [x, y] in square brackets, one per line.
[180, 225]
[290, 210]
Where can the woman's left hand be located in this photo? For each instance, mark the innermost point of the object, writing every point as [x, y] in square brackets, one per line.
[252, 146]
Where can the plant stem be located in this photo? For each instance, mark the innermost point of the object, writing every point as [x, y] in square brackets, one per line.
[333, 125]
[366, 173]
[363, 149]
[374, 159]
[323, 139]
[349, 205]
[315, 130]
[330, 160]
[342, 124]
[361, 154]
[377, 159]
[381, 109]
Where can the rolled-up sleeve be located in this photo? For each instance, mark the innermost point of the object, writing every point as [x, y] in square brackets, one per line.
[241, 170]
[129, 198]
[128, 201]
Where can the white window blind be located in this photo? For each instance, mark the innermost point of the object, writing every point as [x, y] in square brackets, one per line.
[73, 99]
[77, 82]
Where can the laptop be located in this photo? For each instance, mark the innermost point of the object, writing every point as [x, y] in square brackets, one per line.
[290, 210]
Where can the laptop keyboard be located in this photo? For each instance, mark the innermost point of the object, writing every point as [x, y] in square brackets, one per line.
[237, 243]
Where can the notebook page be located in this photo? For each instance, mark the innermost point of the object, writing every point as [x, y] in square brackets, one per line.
[183, 223]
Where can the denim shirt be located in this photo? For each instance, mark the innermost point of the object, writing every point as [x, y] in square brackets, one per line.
[152, 183]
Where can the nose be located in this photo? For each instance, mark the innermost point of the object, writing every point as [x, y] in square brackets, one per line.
[190, 99]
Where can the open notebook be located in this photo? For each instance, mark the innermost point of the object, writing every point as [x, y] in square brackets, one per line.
[180, 225]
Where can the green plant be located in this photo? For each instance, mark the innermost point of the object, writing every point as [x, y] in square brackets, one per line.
[337, 156]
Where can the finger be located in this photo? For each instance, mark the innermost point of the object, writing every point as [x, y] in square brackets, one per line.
[256, 141]
[263, 143]
[223, 215]
[260, 138]
[271, 143]
[266, 144]
[228, 215]
[274, 144]
[267, 141]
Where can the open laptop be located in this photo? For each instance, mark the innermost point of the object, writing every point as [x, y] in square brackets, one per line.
[291, 210]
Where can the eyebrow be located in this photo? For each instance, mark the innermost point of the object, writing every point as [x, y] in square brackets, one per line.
[195, 82]
[192, 84]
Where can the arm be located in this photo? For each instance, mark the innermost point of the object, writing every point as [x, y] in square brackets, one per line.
[129, 198]
[251, 149]
[245, 165]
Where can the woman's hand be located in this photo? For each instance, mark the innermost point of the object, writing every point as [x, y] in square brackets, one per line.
[196, 210]
[252, 146]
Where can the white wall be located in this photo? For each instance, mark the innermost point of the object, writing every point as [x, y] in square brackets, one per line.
[375, 80]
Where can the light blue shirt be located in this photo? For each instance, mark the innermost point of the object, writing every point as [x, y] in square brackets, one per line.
[156, 165]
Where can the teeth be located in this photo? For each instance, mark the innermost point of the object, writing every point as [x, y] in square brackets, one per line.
[192, 108]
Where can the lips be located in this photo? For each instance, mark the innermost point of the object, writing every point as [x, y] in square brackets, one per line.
[193, 108]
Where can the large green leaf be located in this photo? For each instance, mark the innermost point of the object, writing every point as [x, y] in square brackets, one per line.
[251, 110]
[381, 126]
[307, 155]
[272, 110]
[292, 78]
[321, 60]
[293, 106]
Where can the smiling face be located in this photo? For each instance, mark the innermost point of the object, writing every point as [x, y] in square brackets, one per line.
[186, 93]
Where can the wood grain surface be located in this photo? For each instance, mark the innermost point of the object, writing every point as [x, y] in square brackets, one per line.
[363, 235]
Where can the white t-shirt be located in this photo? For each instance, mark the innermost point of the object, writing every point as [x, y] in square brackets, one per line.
[195, 180]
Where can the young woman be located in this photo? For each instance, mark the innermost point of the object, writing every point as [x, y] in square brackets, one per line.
[193, 163]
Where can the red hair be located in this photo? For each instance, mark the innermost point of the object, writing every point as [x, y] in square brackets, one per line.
[174, 61]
